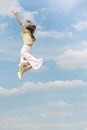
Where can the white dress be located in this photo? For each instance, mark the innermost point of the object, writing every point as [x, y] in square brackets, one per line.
[34, 62]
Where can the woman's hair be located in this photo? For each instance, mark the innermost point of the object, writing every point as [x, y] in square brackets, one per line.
[31, 28]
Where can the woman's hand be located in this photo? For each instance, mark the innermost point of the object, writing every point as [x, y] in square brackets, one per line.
[14, 12]
[29, 21]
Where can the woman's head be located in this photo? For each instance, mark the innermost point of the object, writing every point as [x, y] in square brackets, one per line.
[31, 28]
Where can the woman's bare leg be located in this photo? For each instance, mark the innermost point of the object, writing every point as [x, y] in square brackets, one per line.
[28, 67]
[21, 66]
[24, 69]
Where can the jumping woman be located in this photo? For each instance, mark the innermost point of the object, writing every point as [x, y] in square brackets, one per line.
[27, 61]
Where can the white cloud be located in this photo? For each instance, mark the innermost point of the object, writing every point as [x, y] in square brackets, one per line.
[32, 87]
[56, 126]
[82, 45]
[62, 5]
[63, 114]
[73, 59]
[64, 104]
[68, 34]
[61, 126]
[54, 34]
[11, 119]
[3, 25]
[7, 5]
[29, 15]
[50, 34]
[80, 25]
[39, 27]
[85, 95]
[15, 125]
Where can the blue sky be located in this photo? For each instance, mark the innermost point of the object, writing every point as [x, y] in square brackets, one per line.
[55, 96]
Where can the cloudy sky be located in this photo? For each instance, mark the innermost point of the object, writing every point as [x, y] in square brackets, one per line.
[55, 96]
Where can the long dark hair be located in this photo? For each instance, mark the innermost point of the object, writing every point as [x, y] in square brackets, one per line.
[31, 28]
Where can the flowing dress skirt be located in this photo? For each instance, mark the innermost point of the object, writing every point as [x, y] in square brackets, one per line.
[27, 57]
